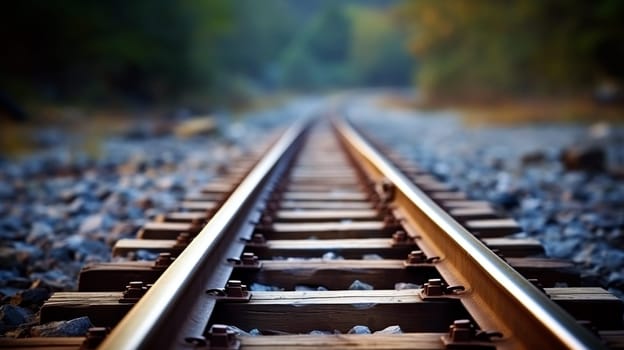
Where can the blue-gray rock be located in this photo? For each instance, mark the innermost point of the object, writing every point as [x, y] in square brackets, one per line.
[72, 328]
[358, 285]
[6, 190]
[12, 228]
[143, 254]
[55, 279]
[31, 297]
[28, 253]
[84, 247]
[372, 257]
[6, 275]
[40, 233]
[302, 288]
[331, 256]
[18, 282]
[95, 223]
[13, 315]
[61, 253]
[406, 285]
[239, 331]
[257, 287]
[396, 329]
[359, 330]
[506, 200]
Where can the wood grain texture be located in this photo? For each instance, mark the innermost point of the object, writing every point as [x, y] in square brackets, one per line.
[300, 312]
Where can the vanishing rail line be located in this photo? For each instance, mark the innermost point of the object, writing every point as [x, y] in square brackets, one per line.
[323, 188]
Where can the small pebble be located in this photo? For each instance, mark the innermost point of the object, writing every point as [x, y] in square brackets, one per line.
[302, 288]
[239, 331]
[359, 330]
[31, 297]
[390, 330]
[12, 315]
[358, 285]
[257, 287]
[331, 256]
[406, 285]
[72, 328]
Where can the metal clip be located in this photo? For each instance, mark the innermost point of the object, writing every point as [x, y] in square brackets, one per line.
[463, 335]
[222, 337]
[163, 261]
[95, 336]
[182, 240]
[400, 238]
[248, 261]
[134, 291]
[436, 288]
[386, 190]
[417, 257]
[234, 291]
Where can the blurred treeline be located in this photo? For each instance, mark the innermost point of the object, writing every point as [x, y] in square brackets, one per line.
[484, 49]
[230, 51]
[147, 51]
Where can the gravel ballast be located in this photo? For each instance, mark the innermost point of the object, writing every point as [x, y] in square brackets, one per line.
[61, 208]
[576, 211]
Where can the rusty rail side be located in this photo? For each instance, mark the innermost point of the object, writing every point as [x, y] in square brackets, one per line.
[497, 296]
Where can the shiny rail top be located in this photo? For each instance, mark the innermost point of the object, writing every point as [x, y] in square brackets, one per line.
[145, 318]
[521, 308]
[497, 296]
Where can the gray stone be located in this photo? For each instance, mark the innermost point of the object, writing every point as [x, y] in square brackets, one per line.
[72, 328]
[406, 285]
[372, 257]
[331, 256]
[396, 329]
[94, 223]
[55, 279]
[358, 285]
[31, 297]
[11, 315]
[83, 247]
[257, 287]
[359, 330]
[302, 288]
[40, 232]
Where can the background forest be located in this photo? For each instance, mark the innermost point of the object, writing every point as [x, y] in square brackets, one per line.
[143, 52]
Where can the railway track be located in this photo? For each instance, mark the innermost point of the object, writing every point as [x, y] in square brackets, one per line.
[320, 236]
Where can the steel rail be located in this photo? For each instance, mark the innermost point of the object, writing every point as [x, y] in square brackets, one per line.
[517, 305]
[145, 319]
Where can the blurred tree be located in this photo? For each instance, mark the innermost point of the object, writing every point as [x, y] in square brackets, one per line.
[378, 54]
[348, 44]
[316, 58]
[141, 50]
[485, 48]
[156, 50]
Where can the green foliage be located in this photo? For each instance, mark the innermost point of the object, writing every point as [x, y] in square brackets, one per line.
[317, 56]
[346, 45]
[141, 49]
[482, 48]
[378, 55]
[146, 51]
